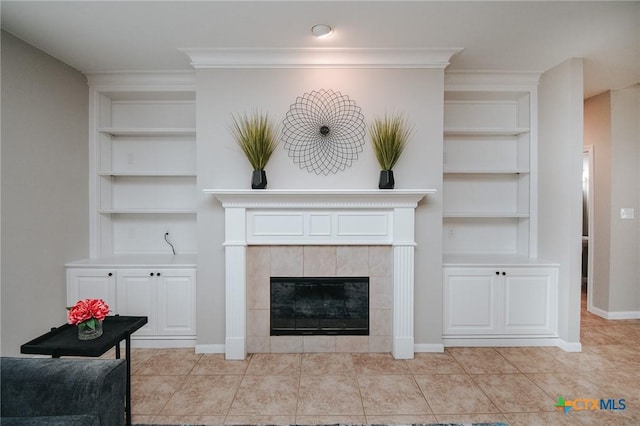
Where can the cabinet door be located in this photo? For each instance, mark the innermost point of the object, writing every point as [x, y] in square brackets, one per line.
[530, 296]
[91, 284]
[137, 295]
[470, 301]
[176, 302]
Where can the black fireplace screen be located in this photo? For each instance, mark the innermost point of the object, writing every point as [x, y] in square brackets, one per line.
[319, 306]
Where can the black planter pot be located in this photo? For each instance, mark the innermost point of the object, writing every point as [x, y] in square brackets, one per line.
[386, 179]
[258, 179]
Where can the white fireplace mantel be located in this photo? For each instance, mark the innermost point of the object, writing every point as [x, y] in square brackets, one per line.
[316, 217]
[313, 197]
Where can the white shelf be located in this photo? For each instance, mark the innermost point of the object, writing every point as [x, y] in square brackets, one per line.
[144, 151]
[487, 175]
[148, 174]
[492, 259]
[138, 261]
[499, 215]
[487, 172]
[169, 131]
[486, 131]
[147, 211]
[309, 198]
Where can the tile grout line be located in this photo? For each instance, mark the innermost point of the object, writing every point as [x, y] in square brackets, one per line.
[413, 376]
[180, 385]
[495, 404]
[295, 414]
[235, 394]
[356, 376]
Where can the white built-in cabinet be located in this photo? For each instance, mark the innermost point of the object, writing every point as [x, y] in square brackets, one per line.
[494, 287]
[142, 187]
[500, 301]
[167, 296]
[92, 283]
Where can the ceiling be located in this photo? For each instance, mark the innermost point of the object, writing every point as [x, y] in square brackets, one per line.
[96, 36]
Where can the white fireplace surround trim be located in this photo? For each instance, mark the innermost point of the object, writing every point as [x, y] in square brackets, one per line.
[314, 217]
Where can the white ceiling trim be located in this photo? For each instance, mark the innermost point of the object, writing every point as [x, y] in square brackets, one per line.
[179, 80]
[490, 79]
[320, 57]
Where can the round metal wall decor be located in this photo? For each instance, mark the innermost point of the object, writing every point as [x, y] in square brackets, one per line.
[323, 131]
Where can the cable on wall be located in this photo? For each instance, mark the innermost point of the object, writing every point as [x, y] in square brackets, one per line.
[166, 238]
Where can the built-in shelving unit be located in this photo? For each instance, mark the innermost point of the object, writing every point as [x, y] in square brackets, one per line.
[495, 289]
[488, 178]
[144, 140]
[143, 185]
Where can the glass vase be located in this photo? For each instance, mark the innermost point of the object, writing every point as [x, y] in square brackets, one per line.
[85, 332]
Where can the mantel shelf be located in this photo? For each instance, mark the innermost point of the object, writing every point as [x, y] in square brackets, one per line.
[319, 197]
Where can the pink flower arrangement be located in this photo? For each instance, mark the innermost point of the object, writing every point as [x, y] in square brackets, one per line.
[87, 312]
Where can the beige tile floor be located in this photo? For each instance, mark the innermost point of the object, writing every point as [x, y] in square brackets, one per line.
[518, 386]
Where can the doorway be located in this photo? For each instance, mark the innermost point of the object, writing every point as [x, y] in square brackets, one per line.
[587, 224]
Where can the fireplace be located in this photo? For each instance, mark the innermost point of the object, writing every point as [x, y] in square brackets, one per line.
[326, 262]
[319, 306]
[319, 218]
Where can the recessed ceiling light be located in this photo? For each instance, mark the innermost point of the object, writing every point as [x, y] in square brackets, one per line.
[321, 30]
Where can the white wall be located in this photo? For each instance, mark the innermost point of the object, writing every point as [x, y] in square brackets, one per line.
[612, 127]
[597, 133]
[624, 292]
[416, 93]
[560, 187]
[44, 188]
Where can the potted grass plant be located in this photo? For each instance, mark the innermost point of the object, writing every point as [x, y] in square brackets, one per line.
[389, 136]
[258, 137]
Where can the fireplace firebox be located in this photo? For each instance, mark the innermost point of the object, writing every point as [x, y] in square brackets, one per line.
[319, 306]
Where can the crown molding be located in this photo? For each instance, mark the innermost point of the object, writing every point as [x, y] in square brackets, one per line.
[490, 78]
[320, 57]
[183, 80]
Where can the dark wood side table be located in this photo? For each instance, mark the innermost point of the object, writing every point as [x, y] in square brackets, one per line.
[63, 341]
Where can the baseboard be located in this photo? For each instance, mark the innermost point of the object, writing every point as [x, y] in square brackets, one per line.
[623, 315]
[599, 312]
[615, 315]
[210, 349]
[500, 342]
[428, 347]
[569, 346]
[162, 343]
[220, 349]
[506, 342]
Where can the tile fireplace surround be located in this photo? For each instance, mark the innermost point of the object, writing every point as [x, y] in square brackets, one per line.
[263, 262]
[311, 218]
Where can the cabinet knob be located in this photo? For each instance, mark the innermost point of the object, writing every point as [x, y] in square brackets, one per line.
[497, 272]
[110, 274]
[151, 273]
[158, 273]
[504, 273]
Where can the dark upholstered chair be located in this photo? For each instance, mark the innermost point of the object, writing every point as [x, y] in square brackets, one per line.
[46, 391]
